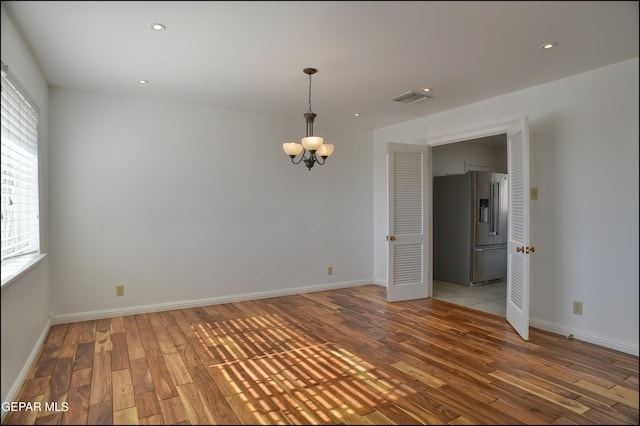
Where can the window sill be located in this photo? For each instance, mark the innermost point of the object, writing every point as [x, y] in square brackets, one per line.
[12, 269]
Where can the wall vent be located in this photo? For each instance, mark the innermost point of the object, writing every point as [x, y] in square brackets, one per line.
[410, 97]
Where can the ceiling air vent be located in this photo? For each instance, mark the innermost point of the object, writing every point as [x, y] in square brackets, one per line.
[410, 97]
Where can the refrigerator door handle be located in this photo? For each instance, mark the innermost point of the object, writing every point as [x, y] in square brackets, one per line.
[492, 209]
[496, 207]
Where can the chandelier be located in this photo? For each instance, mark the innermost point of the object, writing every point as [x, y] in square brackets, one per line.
[312, 149]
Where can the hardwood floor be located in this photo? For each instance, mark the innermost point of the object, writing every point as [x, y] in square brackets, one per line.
[335, 357]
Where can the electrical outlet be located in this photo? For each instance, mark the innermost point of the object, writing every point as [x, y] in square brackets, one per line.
[330, 270]
[120, 290]
[577, 307]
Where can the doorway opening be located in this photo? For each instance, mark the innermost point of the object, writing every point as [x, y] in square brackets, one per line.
[484, 154]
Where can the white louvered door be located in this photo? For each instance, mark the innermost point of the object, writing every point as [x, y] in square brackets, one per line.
[407, 229]
[518, 249]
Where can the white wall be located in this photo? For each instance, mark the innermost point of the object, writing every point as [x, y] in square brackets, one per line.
[25, 301]
[584, 225]
[451, 159]
[183, 203]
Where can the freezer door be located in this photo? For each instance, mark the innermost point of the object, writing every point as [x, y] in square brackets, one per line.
[483, 208]
[489, 263]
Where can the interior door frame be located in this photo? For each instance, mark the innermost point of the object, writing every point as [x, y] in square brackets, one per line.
[497, 129]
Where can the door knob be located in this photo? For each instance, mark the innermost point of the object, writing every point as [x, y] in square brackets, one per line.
[525, 250]
[391, 238]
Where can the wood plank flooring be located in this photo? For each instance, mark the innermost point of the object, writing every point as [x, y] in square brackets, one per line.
[335, 357]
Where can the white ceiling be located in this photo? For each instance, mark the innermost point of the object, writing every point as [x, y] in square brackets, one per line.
[249, 56]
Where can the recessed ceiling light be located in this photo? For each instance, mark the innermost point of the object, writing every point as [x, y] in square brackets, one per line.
[143, 82]
[547, 46]
[357, 114]
[426, 89]
[158, 27]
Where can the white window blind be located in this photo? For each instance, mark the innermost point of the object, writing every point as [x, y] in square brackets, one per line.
[20, 210]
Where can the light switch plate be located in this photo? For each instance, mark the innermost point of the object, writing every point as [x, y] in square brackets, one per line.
[534, 193]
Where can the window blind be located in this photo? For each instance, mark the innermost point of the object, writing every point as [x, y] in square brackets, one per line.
[20, 207]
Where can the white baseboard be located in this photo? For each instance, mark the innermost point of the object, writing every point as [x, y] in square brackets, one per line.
[562, 330]
[183, 304]
[32, 358]
[559, 329]
[585, 336]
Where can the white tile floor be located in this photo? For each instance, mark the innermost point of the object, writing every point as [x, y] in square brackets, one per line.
[491, 298]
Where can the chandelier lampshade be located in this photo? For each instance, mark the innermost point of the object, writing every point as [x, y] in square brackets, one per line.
[325, 150]
[312, 143]
[292, 149]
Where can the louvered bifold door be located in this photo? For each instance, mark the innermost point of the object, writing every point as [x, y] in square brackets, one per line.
[518, 257]
[407, 229]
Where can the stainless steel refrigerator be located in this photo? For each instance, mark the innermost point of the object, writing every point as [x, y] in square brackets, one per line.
[470, 227]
